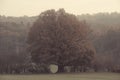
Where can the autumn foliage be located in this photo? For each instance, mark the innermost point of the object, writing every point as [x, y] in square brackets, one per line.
[60, 38]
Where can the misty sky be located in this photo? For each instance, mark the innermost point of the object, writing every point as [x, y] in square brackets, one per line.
[35, 7]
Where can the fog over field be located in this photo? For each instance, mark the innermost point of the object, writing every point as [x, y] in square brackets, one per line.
[59, 38]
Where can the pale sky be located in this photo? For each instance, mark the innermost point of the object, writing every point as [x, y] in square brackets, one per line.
[35, 7]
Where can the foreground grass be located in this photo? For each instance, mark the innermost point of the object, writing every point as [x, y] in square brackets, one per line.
[65, 76]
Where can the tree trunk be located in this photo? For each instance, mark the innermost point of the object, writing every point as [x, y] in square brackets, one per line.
[60, 68]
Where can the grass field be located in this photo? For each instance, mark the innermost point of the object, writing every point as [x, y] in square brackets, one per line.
[65, 76]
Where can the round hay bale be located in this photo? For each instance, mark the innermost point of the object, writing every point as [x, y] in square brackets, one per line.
[53, 68]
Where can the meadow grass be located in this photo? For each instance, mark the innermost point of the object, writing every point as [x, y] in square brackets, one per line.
[64, 76]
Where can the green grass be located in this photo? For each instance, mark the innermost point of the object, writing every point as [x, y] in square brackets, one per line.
[65, 76]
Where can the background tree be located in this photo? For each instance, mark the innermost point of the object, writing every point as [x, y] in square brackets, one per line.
[107, 48]
[60, 38]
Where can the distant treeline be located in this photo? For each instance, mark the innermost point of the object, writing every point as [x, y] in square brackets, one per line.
[105, 35]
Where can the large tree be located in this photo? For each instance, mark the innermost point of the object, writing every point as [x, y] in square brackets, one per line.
[60, 38]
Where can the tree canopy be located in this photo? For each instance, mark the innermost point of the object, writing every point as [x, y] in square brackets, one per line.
[60, 38]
